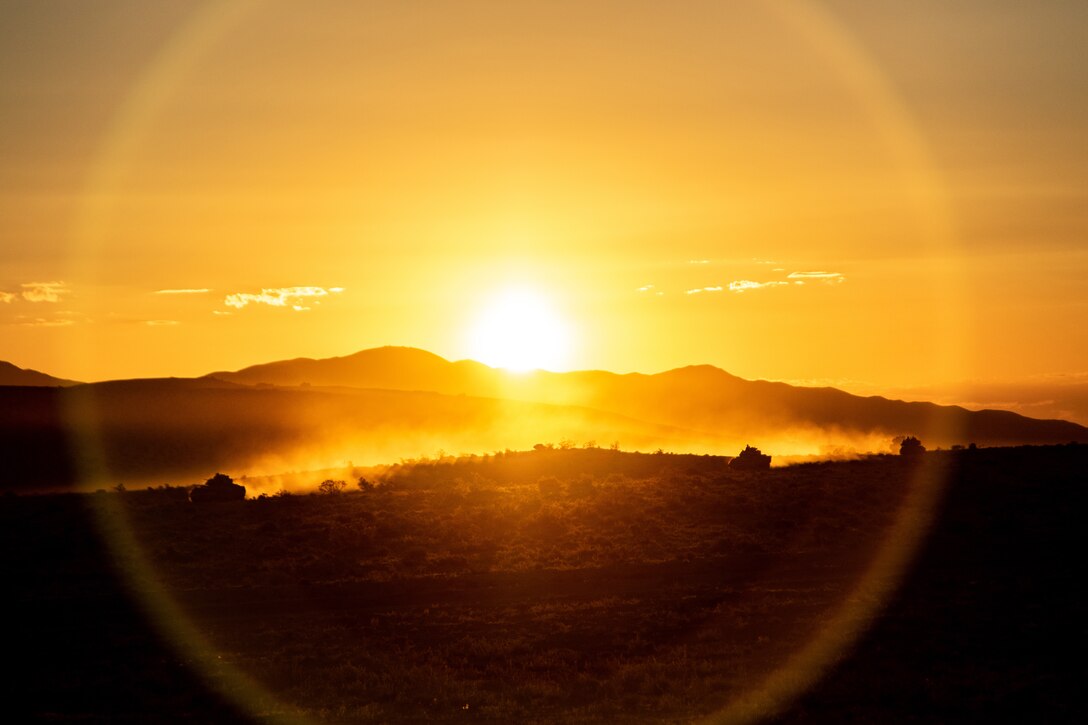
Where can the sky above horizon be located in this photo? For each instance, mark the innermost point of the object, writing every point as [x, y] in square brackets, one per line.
[876, 192]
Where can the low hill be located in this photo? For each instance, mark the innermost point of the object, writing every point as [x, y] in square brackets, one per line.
[1063, 397]
[393, 403]
[780, 417]
[14, 375]
[180, 430]
[392, 368]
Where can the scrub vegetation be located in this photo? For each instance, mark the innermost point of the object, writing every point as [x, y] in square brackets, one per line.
[559, 584]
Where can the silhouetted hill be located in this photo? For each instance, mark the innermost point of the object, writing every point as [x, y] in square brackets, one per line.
[1064, 397]
[157, 431]
[781, 417]
[14, 375]
[392, 403]
[392, 368]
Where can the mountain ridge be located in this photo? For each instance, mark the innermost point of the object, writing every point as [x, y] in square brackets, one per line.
[11, 374]
[700, 397]
[147, 430]
[387, 404]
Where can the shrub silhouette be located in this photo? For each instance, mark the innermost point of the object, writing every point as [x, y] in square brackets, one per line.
[330, 487]
[751, 459]
[911, 446]
[219, 487]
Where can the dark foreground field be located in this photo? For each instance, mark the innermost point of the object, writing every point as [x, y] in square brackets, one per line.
[570, 586]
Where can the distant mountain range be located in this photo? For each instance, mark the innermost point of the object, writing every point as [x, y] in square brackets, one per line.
[156, 431]
[12, 375]
[389, 403]
[1063, 397]
[701, 398]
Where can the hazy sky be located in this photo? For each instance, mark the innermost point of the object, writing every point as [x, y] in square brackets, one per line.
[843, 191]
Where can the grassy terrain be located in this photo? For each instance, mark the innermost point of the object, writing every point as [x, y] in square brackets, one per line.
[991, 622]
[580, 585]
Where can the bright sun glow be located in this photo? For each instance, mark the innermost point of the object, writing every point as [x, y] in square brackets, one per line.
[519, 330]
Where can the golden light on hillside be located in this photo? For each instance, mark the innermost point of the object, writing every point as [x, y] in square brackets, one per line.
[519, 329]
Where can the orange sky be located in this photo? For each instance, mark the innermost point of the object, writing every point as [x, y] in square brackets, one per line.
[845, 191]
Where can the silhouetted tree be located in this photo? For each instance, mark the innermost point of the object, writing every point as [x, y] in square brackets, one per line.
[329, 486]
[219, 487]
[911, 446]
[364, 485]
[751, 459]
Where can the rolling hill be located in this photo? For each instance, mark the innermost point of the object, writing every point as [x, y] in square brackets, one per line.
[383, 405]
[179, 431]
[704, 398]
[14, 375]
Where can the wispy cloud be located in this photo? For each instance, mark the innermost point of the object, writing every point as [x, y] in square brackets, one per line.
[183, 291]
[747, 285]
[42, 322]
[698, 261]
[7, 297]
[44, 291]
[645, 288]
[823, 276]
[161, 323]
[281, 297]
[743, 285]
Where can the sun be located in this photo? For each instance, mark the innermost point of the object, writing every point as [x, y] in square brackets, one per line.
[518, 329]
